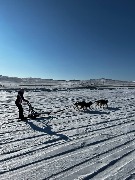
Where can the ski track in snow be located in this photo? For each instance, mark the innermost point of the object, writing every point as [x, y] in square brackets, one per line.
[97, 143]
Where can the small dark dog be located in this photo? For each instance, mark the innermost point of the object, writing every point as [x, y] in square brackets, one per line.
[83, 105]
[102, 103]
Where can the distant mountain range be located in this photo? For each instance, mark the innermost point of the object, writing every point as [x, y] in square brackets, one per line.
[20, 80]
[73, 83]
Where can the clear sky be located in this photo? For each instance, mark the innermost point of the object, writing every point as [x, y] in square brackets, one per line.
[68, 39]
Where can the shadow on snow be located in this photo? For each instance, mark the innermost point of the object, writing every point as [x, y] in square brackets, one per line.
[101, 112]
[47, 130]
[95, 112]
[113, 108]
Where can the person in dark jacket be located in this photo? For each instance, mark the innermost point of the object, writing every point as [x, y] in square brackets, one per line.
[18, 103]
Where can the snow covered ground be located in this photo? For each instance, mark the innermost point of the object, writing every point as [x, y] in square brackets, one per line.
[97, 144]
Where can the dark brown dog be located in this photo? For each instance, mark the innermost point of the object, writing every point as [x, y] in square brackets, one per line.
[102, 103]
[83, 104]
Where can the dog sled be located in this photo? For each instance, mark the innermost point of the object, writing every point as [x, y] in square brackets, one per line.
[34, 114]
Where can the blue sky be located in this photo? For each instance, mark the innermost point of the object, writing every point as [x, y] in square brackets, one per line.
[68, 39]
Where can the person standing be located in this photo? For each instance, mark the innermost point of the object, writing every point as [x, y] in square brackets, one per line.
[19, 101]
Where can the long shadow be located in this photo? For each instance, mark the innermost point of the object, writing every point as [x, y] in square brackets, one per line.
[113, 109]
[47, 130]
[91, 111]
[95, 112]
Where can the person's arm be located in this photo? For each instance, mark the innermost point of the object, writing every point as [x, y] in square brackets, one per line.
[25, 99]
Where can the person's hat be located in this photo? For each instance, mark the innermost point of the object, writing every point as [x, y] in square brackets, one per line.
[22, 90]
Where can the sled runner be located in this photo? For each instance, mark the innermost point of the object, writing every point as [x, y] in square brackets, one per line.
[33, 114]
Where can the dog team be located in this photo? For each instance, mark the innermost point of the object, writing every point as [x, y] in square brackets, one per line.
[84, 105]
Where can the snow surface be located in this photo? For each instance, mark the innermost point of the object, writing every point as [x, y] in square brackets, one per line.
[97, 143]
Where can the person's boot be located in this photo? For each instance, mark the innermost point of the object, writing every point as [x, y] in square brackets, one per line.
[22, 118]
